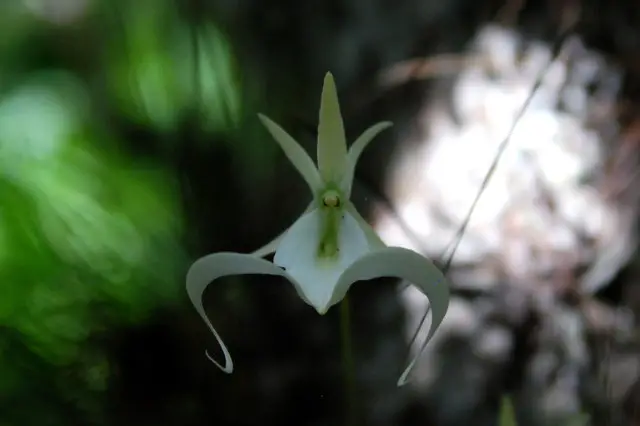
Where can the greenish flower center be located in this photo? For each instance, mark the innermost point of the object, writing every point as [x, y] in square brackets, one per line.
[331, 214]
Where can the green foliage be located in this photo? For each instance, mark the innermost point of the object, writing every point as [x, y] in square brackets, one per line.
[88, 237]
[507, 412]
[161, 68]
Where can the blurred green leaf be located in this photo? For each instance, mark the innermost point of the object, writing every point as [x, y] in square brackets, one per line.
[141, 71]
[220, 91]
[80, 226]
[153, 70]
[16, 24]
[507, 412]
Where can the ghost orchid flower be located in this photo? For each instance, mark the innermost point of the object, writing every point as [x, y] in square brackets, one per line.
[330, 246]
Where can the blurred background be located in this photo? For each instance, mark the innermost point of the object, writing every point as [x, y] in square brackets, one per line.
[130, 146]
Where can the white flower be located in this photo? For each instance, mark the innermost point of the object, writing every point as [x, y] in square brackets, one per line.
[330, 246]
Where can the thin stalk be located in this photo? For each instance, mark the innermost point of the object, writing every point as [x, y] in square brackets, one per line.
[348, 363]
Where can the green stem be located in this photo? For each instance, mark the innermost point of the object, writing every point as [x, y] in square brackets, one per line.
[348, 362]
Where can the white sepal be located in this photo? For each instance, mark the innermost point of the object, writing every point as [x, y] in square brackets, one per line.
[397, 262]
[332, 143]
[295, 153]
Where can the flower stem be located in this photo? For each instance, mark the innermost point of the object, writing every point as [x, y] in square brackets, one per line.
[348, 363]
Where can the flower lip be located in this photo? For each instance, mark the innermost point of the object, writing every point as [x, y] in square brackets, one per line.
[317, 275]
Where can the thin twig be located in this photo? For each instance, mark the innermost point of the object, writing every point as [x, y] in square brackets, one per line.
[556, 49]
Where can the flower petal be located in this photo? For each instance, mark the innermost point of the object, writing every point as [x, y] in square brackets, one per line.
[272, 245]
[408, 265]
[295, 153]
[356, 150]
[217, 265]
[317, 277]
[332, 145]
[373, 239]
